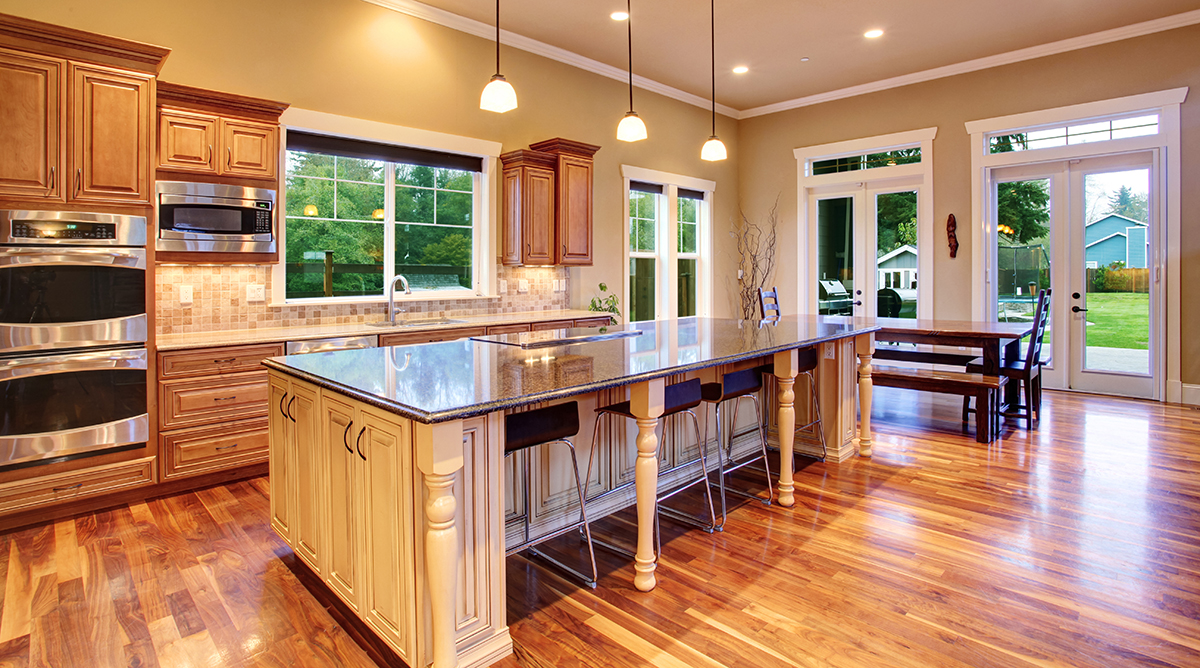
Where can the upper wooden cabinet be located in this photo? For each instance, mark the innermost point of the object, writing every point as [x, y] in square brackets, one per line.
[528, 220]
[75, 114]
[210, 132]
[573, 189]
[548, 204]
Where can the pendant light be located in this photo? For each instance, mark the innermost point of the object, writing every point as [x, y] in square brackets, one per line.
[631, 127]
[713, 148]
[499, 95]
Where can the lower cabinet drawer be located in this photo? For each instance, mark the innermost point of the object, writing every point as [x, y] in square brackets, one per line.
[78, 484]
[195, 401]
[199, 450]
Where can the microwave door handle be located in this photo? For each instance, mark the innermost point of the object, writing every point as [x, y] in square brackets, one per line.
[57, 256]
[97, 361]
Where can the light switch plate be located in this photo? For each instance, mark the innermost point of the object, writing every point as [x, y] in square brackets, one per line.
[185, 295]
[256, 292]
[522, 285]
[503, 286]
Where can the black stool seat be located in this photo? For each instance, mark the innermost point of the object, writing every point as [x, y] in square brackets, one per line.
[552, 423]
[736, 384]
[677, 398]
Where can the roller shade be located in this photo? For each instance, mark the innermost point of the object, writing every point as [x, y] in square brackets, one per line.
[357, 148]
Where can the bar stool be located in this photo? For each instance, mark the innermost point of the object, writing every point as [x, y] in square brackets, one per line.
[678, 398]
[744, 384]
[552, 424]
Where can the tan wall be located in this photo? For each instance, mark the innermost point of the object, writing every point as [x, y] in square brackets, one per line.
[1145, 64]
[356, 59]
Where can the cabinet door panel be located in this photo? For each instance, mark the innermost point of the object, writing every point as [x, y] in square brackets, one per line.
[307, 536]
[187, 141]
[388, 602]
[31, 125]
[283, 458]
[341, 438]
[574, 211]
[249, 149]
[110, 137]
[538, 223]
[510, 228]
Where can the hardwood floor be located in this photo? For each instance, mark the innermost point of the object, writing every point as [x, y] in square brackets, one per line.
[1075, 545]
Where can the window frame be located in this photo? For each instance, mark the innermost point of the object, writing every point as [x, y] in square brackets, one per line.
[484, 204]
[666, 253]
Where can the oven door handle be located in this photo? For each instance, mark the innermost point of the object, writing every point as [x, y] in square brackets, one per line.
[26, 367]
[134, 258]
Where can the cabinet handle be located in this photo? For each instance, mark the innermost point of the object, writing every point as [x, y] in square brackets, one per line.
[358, 443]
[208, 158]
[78, 180]
[229, 160]
[63, 489]
[224, 360]
[282, 410]
[229, 398]
[51, 177]
[346, 435]
[228, 447]
[564, 247]
[289, 410]
[528, 248]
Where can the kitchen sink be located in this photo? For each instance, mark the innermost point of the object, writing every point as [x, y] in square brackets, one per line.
[416, 322]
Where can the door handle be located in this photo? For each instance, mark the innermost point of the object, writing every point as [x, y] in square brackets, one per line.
[858, 303]
[358, 443]
[346, 436]
[1076, 309]
[289, 410]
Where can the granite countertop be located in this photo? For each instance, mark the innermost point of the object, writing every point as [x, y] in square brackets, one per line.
[437, 382]
[273, 334]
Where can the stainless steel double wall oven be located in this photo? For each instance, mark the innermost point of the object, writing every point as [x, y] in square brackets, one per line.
[73, 332]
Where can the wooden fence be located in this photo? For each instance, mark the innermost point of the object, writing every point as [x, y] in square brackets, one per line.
[1119, 280]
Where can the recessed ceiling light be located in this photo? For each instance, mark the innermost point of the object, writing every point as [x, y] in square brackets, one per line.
[804, 59]
[872, 34]
[741, 69]
[619, 16]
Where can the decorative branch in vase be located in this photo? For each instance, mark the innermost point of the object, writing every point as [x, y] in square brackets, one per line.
[606, 302]
[756, 258]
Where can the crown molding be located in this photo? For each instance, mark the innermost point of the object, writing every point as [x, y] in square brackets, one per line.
[487, 31]
[1040, 51]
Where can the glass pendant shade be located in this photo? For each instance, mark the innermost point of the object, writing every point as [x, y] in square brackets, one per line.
[631, 128]
[498, 96]
[713, 149]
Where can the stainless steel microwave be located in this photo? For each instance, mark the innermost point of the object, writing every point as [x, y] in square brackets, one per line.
[215, 218]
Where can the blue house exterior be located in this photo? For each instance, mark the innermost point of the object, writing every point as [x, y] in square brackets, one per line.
[1115, 238]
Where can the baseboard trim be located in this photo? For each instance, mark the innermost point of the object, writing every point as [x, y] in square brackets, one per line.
[1190, 394]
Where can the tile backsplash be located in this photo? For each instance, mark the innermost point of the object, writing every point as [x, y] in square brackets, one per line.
[219, 300]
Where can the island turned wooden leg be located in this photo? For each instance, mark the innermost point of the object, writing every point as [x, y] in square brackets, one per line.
[864, 346]
[646, 403]
[439, 456]
[785, 375]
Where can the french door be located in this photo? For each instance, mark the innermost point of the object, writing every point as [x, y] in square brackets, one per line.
[866, 256]
[1088, 229]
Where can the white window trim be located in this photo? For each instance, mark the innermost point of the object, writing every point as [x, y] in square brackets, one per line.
[665, 306]
[485, 204]
[805, 299]
[1166, 104]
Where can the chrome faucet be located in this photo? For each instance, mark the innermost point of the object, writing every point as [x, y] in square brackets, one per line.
[391, 307]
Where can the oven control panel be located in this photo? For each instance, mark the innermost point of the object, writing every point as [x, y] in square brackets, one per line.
[44, 229]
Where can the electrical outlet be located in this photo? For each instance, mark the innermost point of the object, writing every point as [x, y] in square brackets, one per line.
[830, 351]
[185, 295]
[740, 274]
[503, 286]
[522, 285]
[256, 292]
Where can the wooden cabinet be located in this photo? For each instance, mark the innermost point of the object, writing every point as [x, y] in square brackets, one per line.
[409, 338]
[599, 321]
[297, 469]
[208, 361]
[218, 134]
[109, 140]
[509, 329]
[528, 216]
[197, 450]
[32, 91]
[82, 483]
[573, 198]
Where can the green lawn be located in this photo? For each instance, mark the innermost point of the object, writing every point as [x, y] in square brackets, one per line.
[1120, 320]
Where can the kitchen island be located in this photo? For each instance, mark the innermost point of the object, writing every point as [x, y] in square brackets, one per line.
[386, 463]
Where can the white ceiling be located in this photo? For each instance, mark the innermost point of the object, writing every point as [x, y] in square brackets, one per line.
[671, 37]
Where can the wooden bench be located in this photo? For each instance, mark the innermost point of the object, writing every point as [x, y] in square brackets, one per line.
[899, 354]
[985, 389]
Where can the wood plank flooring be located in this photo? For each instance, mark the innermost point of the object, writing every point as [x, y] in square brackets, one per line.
[1075, 545]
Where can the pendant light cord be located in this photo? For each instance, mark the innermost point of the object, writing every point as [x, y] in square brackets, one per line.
[497, 36]
[629, 26]
[713, 24]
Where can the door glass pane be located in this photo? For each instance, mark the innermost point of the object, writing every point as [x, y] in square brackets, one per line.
[835, 256]
[896, 254]
[641, 288]
[1117, 280]
[1023, 249]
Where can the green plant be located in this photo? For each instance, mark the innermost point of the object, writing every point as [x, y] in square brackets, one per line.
[606, 302]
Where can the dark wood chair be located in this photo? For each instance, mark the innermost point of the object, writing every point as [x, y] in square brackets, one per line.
[1027, 370]
[768, 303]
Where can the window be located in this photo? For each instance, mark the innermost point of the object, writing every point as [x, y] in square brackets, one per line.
[903, 156]
[669, 243]
[1070, 135]
[358, 214]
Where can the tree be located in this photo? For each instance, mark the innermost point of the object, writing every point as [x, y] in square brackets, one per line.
[1125, 202]
[896, 217]
[1022, 206]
